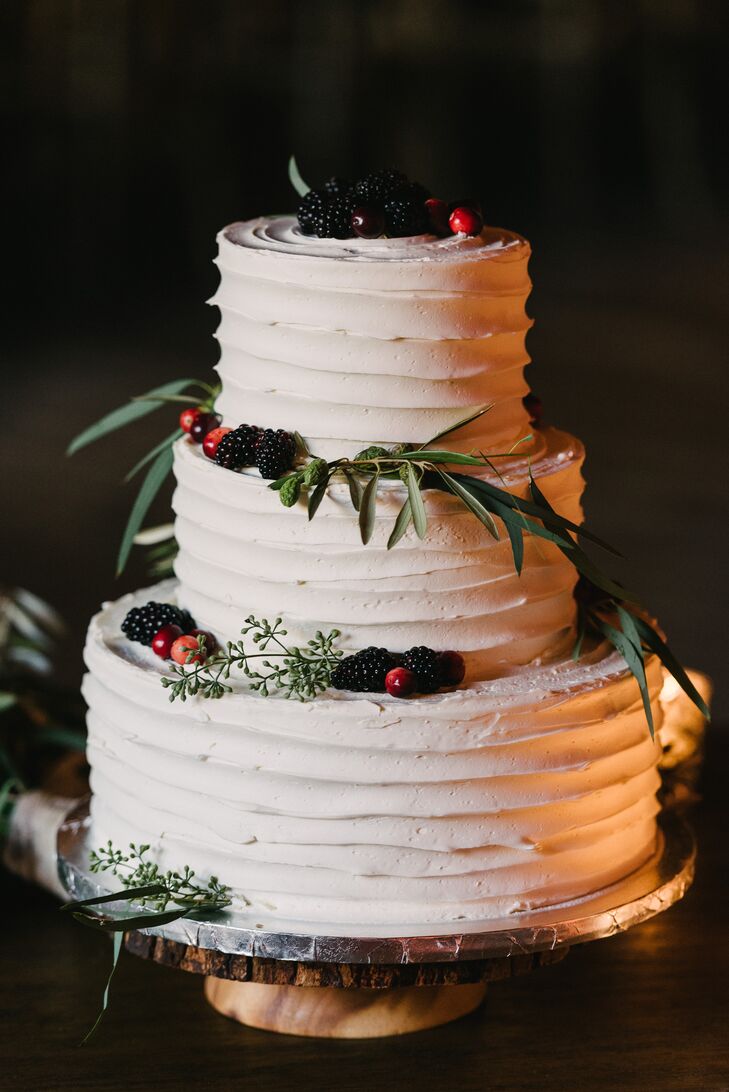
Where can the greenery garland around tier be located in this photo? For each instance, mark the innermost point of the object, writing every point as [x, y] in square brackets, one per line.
[606, 609]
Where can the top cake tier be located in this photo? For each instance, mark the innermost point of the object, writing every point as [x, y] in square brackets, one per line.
[360, 341]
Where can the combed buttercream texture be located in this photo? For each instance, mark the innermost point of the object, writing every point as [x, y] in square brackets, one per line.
[534, 782]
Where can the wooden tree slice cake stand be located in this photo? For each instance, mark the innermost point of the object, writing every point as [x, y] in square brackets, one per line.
[337, 1000]
[356, 983]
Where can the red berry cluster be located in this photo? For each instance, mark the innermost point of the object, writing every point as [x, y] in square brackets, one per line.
[273, 451]
[462, 217]
[170, 643]
[203, 427]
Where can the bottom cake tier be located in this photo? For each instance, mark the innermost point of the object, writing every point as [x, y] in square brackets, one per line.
[533, 789]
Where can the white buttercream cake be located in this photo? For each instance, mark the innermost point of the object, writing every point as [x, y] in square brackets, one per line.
[533, 782]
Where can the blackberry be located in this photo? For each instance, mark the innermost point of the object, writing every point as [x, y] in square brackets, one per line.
[416, 191]
[311, 210]
[142, 623]
[424, 663]
[275, 453]
[375, 187]
[238, 448]
[336, 219]
[365, 671]
[337, 187]
[405, 211]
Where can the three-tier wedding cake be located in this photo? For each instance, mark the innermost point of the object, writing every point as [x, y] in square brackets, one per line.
[530, 783]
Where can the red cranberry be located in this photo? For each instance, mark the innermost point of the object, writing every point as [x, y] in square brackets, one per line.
[452, 668]
[182, 647]
[367, 222]
[533, 405]
[211, 441]
[465, 221]
[400, 682]
[164, 639]
[188, 417]
[467, 203]
[210, 642]
[438, 216]
[202, 425]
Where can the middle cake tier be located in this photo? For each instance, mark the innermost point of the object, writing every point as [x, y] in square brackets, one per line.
[242, 552]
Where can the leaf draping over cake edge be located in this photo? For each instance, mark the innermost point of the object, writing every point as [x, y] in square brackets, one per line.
[606, 608]
[153, 891]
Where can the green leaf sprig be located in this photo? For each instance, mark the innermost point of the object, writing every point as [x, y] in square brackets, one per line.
[161, 546]
[163, 896]
[136, 873]
[618, 619]
[608, 610]
[188, 392]
[625, 627]
[290, 671]
[295, 178]
[422, 467]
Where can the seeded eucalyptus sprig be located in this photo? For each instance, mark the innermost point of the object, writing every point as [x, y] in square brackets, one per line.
[179, 888]
[163, 896]
[291, 671]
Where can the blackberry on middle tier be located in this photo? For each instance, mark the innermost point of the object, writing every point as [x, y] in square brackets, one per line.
[275, 453]
[425, 664]
[238, 448]
[142, 623]
[365, 671]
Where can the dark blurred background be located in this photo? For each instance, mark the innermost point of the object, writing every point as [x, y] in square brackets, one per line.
[134, 129]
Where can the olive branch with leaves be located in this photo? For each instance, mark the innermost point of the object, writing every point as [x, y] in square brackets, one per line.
[606, 609]
[158, 460]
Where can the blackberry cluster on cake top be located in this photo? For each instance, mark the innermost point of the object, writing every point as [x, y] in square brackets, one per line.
[384, 202]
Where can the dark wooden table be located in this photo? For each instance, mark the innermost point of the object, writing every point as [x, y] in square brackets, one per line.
[646, 1010]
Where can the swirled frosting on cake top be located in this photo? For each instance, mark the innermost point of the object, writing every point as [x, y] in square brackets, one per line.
[282, 235]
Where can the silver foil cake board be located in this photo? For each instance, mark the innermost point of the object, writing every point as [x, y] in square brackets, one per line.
[647, 892]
